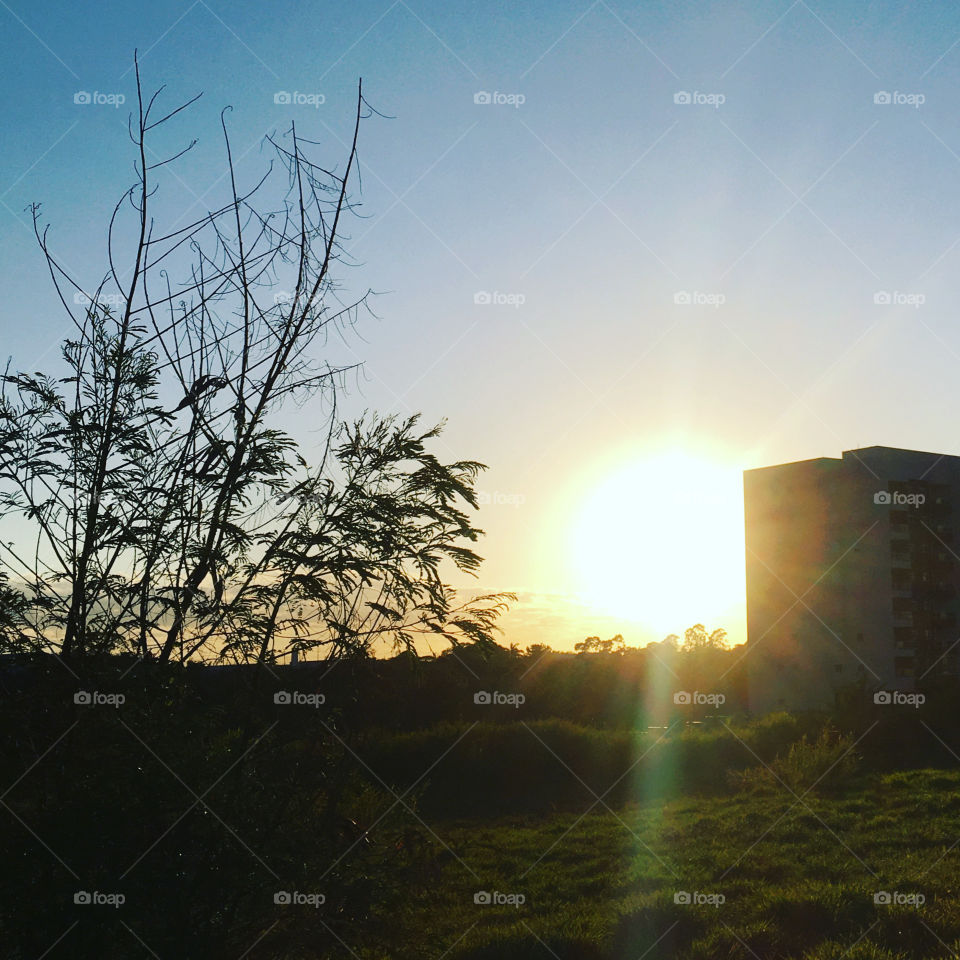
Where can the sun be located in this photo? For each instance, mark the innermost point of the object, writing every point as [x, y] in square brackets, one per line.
[659, 542]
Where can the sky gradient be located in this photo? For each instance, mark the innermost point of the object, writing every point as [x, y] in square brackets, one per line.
[731, 232]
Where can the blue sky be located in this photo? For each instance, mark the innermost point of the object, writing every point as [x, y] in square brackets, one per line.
[783, 201]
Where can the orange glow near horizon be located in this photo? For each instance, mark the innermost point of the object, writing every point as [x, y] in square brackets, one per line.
[659, 542]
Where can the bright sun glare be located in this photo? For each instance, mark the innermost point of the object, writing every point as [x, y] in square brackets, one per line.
[659, 542]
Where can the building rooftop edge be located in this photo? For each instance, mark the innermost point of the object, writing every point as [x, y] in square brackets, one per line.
[851, 454]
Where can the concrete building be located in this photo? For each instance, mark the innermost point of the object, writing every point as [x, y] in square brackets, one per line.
[852, 575]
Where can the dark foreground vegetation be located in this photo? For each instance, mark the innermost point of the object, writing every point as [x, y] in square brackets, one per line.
[203, 796]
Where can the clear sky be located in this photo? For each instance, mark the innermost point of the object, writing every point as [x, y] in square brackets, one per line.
[632, 157]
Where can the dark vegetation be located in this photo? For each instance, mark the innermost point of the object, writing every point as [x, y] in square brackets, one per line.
[200, 797]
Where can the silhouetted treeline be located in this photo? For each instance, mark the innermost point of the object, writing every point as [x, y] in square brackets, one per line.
[635, 688]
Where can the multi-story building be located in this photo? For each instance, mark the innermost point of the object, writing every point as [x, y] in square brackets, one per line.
[853, 570]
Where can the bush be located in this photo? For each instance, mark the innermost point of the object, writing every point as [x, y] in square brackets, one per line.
[826, 762]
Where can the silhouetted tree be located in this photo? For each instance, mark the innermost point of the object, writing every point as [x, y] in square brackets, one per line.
[595, 645]
[696, 638]
[173, 516]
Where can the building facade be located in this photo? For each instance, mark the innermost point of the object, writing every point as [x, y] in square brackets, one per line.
[853, 575]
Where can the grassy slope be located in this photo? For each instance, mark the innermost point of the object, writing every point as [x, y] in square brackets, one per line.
[798, 878]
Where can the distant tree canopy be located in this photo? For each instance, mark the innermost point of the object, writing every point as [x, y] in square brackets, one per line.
[172, 514]
[695, 639]
[615, 644]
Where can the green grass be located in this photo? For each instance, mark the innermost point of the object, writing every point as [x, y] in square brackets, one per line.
[798, 878]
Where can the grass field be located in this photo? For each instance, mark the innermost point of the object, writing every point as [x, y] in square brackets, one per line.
[783, 877]
[772, 837]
